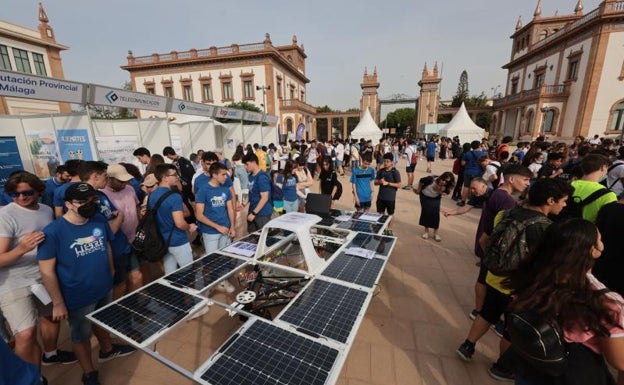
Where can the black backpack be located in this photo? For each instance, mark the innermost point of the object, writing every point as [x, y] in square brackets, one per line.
[539, 341]
[499, 172]
[148, 243]
[574, 205]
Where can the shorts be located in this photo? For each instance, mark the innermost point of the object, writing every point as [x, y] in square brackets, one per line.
[21, 308]
[338, 163]
[431, 159]
[79, 324]
[494, 305]
[258, 223]
[123, 266]
[383, 205]
[291, 206]
[410, 168]
[468, 178]
[363, 206]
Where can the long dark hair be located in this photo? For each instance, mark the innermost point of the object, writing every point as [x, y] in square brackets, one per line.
[238, 153]
[155, 160]
[553, 281]
[288, 170]
[330, 169]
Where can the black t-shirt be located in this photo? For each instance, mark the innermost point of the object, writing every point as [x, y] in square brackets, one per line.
[388, 193]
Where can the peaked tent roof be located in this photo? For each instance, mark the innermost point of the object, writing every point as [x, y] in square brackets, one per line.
[462, 126]
[367, 129]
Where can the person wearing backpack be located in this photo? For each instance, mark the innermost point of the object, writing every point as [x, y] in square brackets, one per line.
[411, 154]
[615, 174]
[389, 180]
[517, 232]
[492, 171]
[594, 167]
[556, 283]
[470, 161]
[170, 218]
[552, 167]
[260, 207]
[329, 180]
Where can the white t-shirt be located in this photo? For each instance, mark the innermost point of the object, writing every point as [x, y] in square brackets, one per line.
[340, 151]
[490, 170]
[15, 223]
[616, 173]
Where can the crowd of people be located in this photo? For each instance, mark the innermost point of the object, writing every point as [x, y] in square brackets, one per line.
[92, 209]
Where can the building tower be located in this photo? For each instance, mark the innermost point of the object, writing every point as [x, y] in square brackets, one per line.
[429, 97]
[370, 97]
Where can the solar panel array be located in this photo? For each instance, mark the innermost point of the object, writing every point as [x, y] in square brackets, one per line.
[379, 244]
[360, 271]
[326, 309]
[267, 354]
[147, 312]
[361, 226]
[203, 272]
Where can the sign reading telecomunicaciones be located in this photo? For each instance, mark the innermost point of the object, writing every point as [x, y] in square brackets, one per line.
[114, 97]
[192, 108]
[20, 85]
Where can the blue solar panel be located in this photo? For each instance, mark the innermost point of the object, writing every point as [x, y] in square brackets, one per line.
[361, 226]
[326, 309]
[378, 243]
[203, 271]
[266, 354]
[356, 270]
[147, 311]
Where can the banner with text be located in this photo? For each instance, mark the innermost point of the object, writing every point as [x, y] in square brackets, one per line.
[44, 151]
[20, 85]
[192, 108]
[10, 160]
[114, 97]
[74, 144]
[228, 113]
[118, 148]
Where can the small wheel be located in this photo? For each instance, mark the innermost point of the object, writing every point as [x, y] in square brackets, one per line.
[246, 296]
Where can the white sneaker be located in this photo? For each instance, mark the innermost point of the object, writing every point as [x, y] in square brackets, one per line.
[437, 238]
[226, 286]
[425, 236]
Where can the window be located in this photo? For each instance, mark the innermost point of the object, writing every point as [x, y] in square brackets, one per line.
[5, 62]
[21, 60]
[618, 118]
[187, 92]
[302, 96]
[168, 91]
[573, 70]
[248, 89]
[292, 92]
[39, 64]
[539, 79]
[226, 90]
[279, 89]
[150, 89]
[207, 92]
[529, 123]
[514, 86]
[549, 118]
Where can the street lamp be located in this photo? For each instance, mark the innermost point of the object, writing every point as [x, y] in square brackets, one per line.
[264, 89]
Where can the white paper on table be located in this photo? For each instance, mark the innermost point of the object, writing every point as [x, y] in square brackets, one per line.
[41, 293]
[360, 252]
[242, 248]
[344, 218]
[369, 217]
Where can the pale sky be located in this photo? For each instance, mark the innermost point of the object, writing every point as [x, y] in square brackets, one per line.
[341, 37]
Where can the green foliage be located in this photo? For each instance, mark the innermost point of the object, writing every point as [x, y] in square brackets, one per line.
[324, 108]
[242, 106]
[403, 116]
[476, 101]
[462, 90]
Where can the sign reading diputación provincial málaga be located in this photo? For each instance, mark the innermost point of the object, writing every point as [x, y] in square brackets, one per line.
[192, 108]
[115, 97]
[20, 85]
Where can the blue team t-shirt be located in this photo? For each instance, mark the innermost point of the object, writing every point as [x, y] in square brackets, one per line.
[215, 206]
[59, 195]
[259, 183]
[120, 244]
[289, 188]
[362, 180]
[472, 162]
[431, 147]
[82, 265]
[164, 218]
[47, 198]
[203, 179]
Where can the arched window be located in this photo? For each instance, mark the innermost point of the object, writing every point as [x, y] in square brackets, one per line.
[617, 117]
[549, 119]
[289, 125]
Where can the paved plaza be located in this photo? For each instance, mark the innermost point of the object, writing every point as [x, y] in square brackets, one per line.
[410, 332]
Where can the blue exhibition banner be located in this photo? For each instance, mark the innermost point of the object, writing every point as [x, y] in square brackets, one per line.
[300, 131]
[10, 160]
[74, 144]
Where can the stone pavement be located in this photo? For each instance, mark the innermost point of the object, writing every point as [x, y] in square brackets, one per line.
[408, 336]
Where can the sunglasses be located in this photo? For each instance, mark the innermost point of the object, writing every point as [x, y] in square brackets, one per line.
[27, 193]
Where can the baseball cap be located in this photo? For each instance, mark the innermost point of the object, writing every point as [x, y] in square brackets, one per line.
[150, 180]
[79, 192]
[118, 172]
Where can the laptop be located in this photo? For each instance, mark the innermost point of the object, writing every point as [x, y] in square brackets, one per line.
[318, 204]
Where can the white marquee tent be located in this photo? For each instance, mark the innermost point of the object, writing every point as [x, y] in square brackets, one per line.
[462, 126]
[367, 129]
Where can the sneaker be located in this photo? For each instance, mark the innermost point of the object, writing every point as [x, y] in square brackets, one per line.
[465, 351]
[226, 286]
[437, 238]
[461, 203]
[115, 352]
[498, 328]
[90, 378]
[473, 314]
[425, 236]
[407, 187]
[500, 373]
[61, 357]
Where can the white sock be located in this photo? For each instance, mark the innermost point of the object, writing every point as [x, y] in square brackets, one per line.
[50, 354]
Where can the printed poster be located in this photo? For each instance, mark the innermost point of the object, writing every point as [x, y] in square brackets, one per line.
[117, 149]
[74, 144]
[10, 160]
[43, 149]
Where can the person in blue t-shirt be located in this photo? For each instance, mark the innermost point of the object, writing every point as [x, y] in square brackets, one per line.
[58, 201]
[76, 264]
[170, 218]
[361, 181]
[61, 176]
[289, 180]
[260, 208]
[472, 169]
[214, 210]
[430, 152]
[201, 178]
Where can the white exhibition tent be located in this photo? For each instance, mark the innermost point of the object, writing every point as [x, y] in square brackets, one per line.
[367, 129]
[462, 126]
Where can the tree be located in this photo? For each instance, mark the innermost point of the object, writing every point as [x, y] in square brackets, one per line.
[241, 106]
[324, 108]
[403, 116]
[462, 90]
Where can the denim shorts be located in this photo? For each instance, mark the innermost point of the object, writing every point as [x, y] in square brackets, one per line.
[79, 324]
